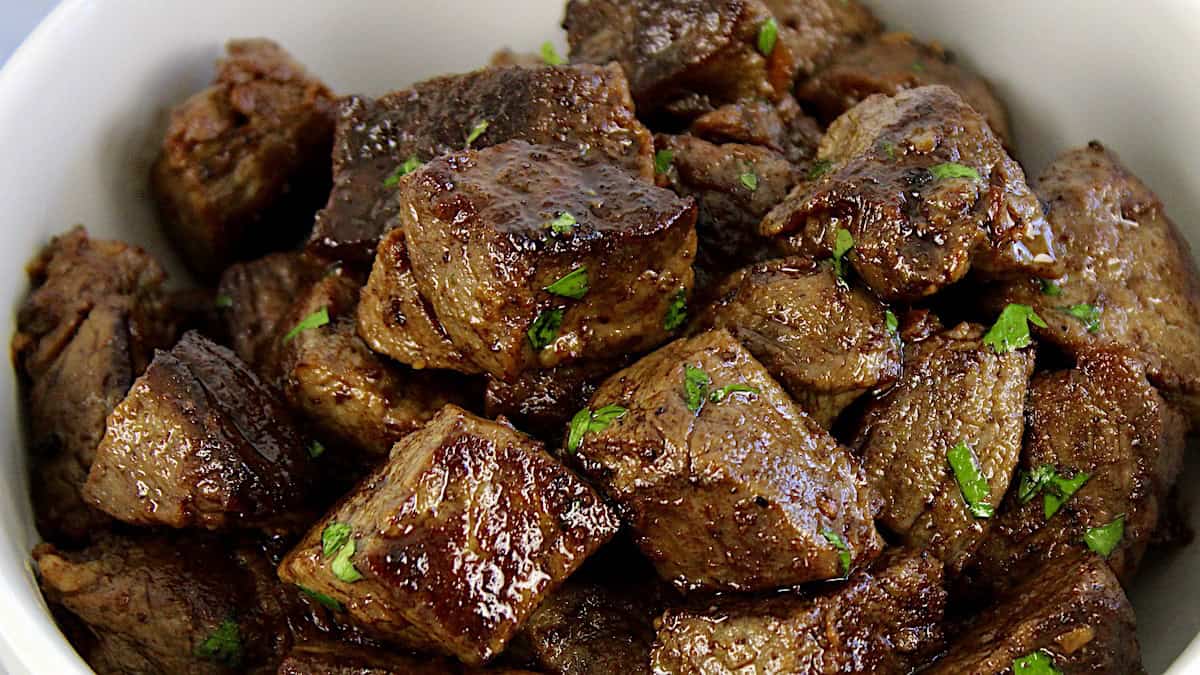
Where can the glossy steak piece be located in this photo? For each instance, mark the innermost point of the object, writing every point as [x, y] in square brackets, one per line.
[884, 620]
[457, 538]
[1126, 260]
[200, 441]
[340, 658]
[815, 30]
[825, 341]
[483, 254]
[85, 331]
[782, 127]
[927, 192]
[737, 494]
[254, 298]
[1073, 612]
[891, 63]
[585, 109]
[541, 402]
[350, 395]
[245, 163]
[168, 605]
[954, 391]
[1103, 419]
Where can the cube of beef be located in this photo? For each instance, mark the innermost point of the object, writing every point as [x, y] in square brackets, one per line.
[926, 191]
[1101, 424]
[1072, 616]
[1130, 277]
[725, 483]
[955, 418]
[254, 299]
[585, 109]
[541, 402]
[782, 127]
[825, 341]
[349, 394]
[816, 30]
[885, 620]
[891, 63]
[454, 542]
[200, 441]
[340, 658]
[529, 257]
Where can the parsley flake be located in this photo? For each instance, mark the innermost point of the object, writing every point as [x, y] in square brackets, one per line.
[768, 35]
[333, 538]
[676, 314]
[843, 241]
[320, 597]
[223, 302]
[1051, 289]
[1104, 538]
[918, 67]
[1058, 490]
[1035, 663]
[550, 55]
[721, 394]
[749, 179]
[544, 328]
[953, 170]
[563, 223]
[663, 160]
[588, 421]
[844, 555]
[975, 489]
[1011, 330]
[315, 449]
[224, 645]
[477, 131]
[889, 149]
[342, 567]
[695, 387]
[573, 285]
[893, 324]
[1089, 315]
[1033, 482]
[410, 165]
[819, 168]
[315, 320]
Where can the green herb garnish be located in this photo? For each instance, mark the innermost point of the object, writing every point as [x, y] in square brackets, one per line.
[224, 645]
[574, 285]
[588, 421]
[342, 567]
[719, 395]
[1036, 663]
[1104, 538]
[315, 320]
[563, 223]
[223, 302]
[662, 161]
[889, 149]
[953, 170]
[1051, 289]
[1032, 482]
[749, 180]
[843, 241]
[676, 314]
[320, 597]
[333, 538]
[819, 168]
[695, 386]
[544, 329]
[768, 35]
[890, 320]
[550, 55]
[844, 555]
[315, 449]
[975, 489]
[1011, 330]
[1089, 315]
[410, 165]
[1058, 490]
[477, 131]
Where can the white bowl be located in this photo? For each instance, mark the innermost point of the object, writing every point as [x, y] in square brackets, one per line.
[82, 103]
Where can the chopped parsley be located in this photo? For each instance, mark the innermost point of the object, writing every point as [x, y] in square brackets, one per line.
[1103, 539]
[410, 165]
[768, 35]
[1011, 330]
[1058, 490]
[588, 421]
[550, 55]
[975, 489]
[342, 567]
[695, 386]
[573, 285]
[819, 168]
[1051, 289]
[953, 170]
[477, 131]
[663, 160]
[721, 394]
[1089, 315]
[544, 329]
[676, 314]
[918, 67]
[224, 645]
[843, 241]
[320, 597]
[749, 179]
[563, 223]
[1033, 482]
[315, 449]
[893, 324]
[844, 555]
[1035, 663]
[889, 149]
[333, 538]
[315, 320]
[223, 302]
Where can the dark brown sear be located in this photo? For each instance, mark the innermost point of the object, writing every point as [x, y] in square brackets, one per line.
[926, 191]
[782, 127]
[340, 658]
[585, 109]
[541, 402]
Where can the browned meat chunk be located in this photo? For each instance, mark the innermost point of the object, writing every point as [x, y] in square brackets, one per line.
[1130, 277]
[724, 481]
[541, 402]
[245, 163]
[1072, 616]
[83, 334]
[200, 441]
[781, 127]
[339, 658]
[529, 257]
[955, 416]
[892, 63]
[816, 30]
[825, 341]
[1101, 425]
[254, 299]
[882, 621]
[159, 605]
[453, 542]
[586, 109]
[926, 192]
[348, 393]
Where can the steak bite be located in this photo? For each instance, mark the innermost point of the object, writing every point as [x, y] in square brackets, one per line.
[340, 658]
[889, 64]
[584, 109]
[825, 341]
[529, 257]
[245, 163]
[453, 543]
[781, 127]
[954, 417]
[884, 620]
[541, 402]
[926, 191]
[1130, 278]
[200, 441]
[725, 483]
[1073, 613]
[1101, 446]
[816, 30]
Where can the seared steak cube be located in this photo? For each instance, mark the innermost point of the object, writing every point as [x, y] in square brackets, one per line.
[529, 257]
[955, 417]
[885, 620]
[200, 441]
[454, 542]
[541, 402]
[825, 341]
[1073, 614]
[245, 163]
[585, 109]
[891, 63]
[926, 191]
[341, 658]
[781, 127]
[815, 30]
[1105, 436]
[1130, 277]
[348, 393]
[725, 483]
